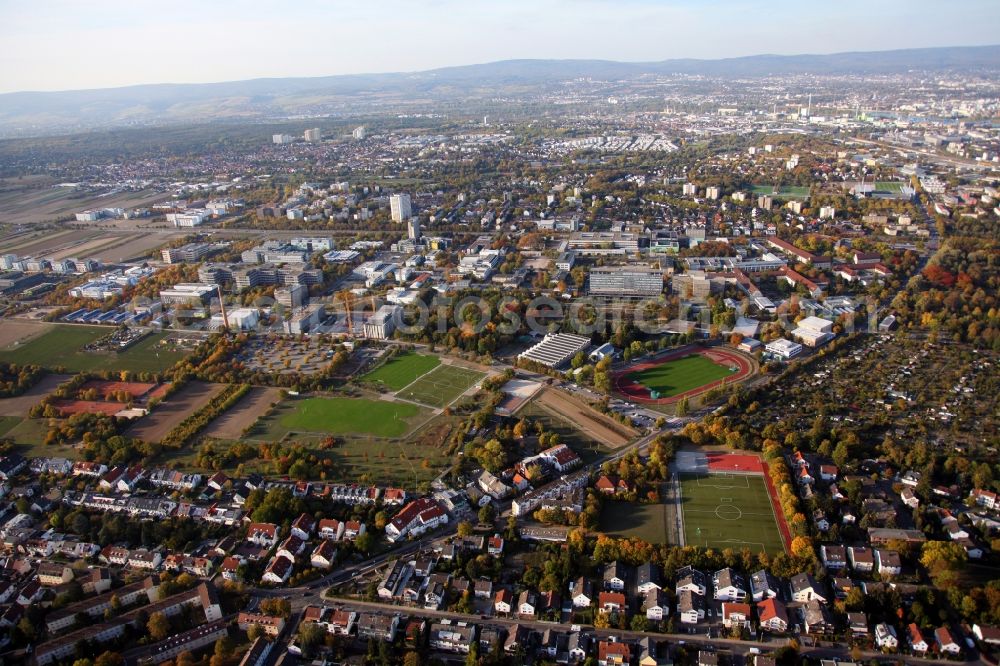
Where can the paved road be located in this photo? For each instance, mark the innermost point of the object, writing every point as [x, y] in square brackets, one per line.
[298, 595]
[737, 647]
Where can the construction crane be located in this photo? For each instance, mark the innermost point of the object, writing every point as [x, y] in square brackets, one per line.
[346, 296]
[222, 306]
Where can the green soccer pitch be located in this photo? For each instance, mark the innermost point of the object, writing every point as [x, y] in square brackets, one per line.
[784, 192]
[441, 386]
[680, 375]
[344, 416]
[401, 370]
[729, 511]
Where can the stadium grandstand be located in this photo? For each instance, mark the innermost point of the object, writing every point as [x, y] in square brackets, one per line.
[556, 349]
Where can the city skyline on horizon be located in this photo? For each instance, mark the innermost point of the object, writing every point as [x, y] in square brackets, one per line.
[63, 46]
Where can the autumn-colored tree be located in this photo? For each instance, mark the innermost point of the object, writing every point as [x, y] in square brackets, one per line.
[941, 557]
[276, 606]
[158, 626]
[364, 542]
[802, 547]
[109, 659]
[682, 407]
[224, 646]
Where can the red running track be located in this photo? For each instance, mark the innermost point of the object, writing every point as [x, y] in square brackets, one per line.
[637, 392]
[779, 513]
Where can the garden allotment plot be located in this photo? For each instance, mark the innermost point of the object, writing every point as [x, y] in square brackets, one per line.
[441, 386]
[729, 511]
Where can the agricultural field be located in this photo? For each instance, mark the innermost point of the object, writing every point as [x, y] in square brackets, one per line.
[597, 426]
[729, 511]
[139, 391]
[19, 331]
[680, 375]
[67, 408]
[129, 248]
[401, 370]
[319, 417]
[27, 241]
[61, 346]
[174, 409]
[242, 415]
[407, 462]
[39, 201]
[106, 246]
[441, 386]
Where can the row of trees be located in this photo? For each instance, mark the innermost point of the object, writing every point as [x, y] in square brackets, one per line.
[186, 430]
[781, 480]
[176, 534]
[16, 379]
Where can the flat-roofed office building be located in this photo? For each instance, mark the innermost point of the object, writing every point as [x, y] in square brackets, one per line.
[626, 281]
[187, 293]
[382, 323]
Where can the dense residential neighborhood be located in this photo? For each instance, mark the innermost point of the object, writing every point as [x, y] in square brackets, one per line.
[692, 363]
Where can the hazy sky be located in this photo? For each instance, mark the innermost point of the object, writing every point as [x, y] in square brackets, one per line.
[70, 44]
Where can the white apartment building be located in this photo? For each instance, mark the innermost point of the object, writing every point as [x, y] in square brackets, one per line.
[400, 207]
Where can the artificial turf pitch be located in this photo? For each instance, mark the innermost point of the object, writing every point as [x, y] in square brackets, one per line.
[784, 192]
[680, 375]
[729, 511]
[441, 386]
[402, 370]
